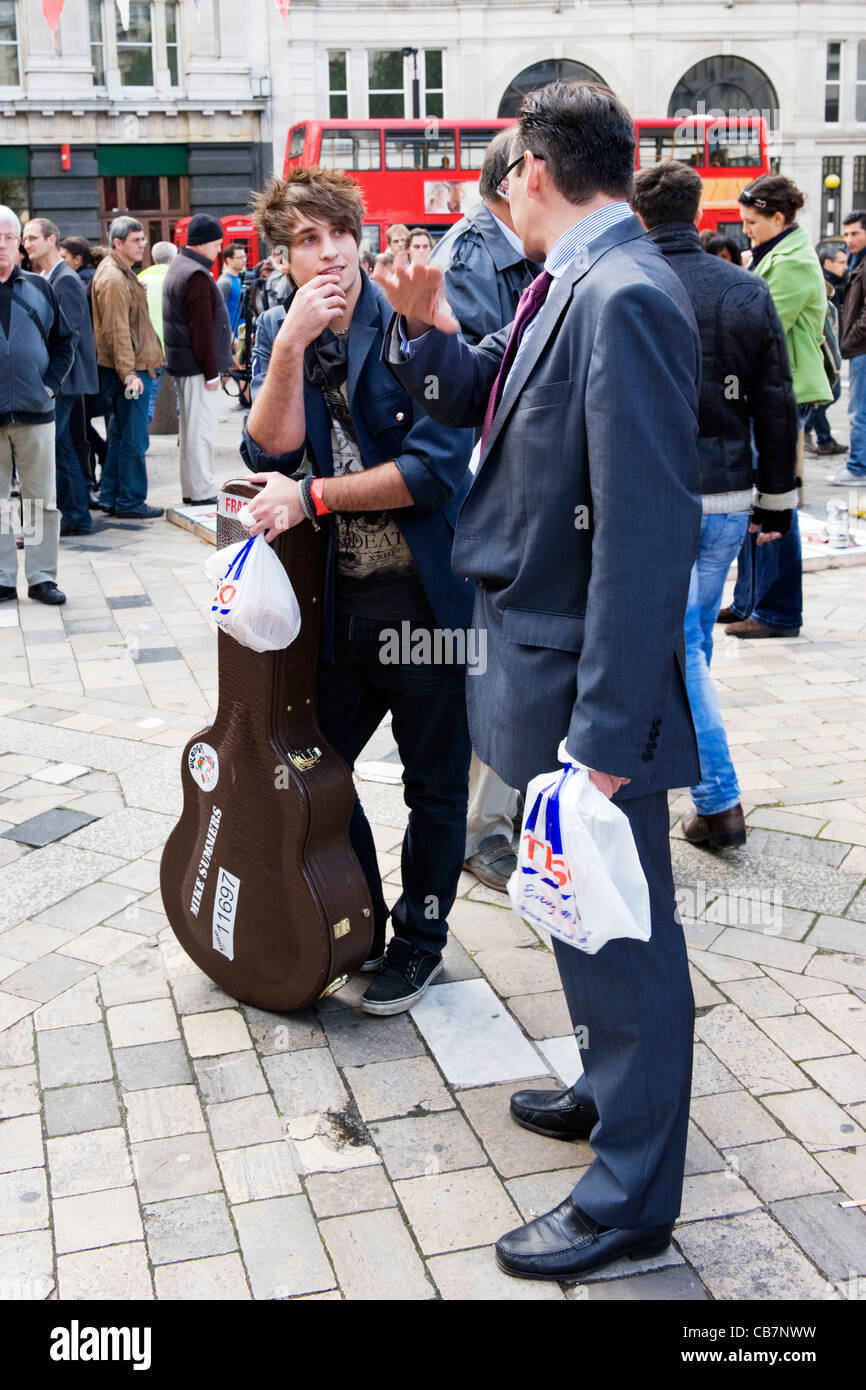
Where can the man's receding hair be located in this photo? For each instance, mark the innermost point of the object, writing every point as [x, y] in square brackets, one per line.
[858, 215]
[666, 192]
[320, 195]
[162, 252]
[585, 136]
[47, 228]
[121, 228]
[497, 158]
[78, 246]
[829, 250]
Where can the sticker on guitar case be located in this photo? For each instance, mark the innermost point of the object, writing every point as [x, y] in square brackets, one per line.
[225, 904]
[204, 766]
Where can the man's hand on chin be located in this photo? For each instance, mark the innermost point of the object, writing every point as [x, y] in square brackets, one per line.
[418, 293]
[277, 507]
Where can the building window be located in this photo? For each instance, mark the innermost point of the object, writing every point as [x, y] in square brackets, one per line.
[9, 76]
[338, 83]
[385, 82]
[859, 194]
[551, 70]
[434, 87]
[97, 43]
[172, 47]
[135, 47]
[860, 89]
[832, 83]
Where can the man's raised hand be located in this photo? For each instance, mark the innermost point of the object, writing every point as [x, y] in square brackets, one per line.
[418, 293]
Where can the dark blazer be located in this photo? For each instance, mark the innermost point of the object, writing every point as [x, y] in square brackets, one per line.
[484, 274]
[746, 376]
[390, 426]
[83, 376]
[582, 524]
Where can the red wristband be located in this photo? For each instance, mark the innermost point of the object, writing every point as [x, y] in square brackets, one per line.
[316, 494]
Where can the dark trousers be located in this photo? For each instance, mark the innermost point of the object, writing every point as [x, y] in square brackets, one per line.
[428, 720]
[769, 583]
[80, 442]
[633, 1005]
[124, 473]
[72, 500]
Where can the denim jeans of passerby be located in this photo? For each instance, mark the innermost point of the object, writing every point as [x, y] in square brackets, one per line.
[72, 500]
[817, 418]
[124, 474]
[428, 721]
[769, 583]
[721, 538]
[857, 413]
[155, 384]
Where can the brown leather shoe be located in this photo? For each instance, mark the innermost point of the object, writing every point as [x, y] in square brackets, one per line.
[727, 615]
[721, 830]
[752, 628]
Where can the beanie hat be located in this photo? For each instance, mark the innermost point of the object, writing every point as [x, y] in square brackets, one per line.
[203, 228]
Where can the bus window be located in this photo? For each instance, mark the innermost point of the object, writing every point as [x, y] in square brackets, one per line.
[350, 149]
[473, 147]
[296, 141]
[733, 147]
[682, 143]
[412, 149]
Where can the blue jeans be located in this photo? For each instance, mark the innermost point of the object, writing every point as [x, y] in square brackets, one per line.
[428, 719]
[770, 580]
[124, 473]
[857, 413]
[72, 500]
[721, 538]
[155, 384]
[817, 418]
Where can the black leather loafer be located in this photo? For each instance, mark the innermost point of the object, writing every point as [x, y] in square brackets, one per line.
[555, 1114]
[565, 1244]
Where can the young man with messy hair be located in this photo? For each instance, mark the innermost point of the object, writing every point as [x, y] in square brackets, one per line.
[388, 483]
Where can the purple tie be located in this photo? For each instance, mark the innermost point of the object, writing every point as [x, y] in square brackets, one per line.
[530, 302]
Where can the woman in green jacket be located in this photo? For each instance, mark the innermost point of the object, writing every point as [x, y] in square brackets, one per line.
[768, 598]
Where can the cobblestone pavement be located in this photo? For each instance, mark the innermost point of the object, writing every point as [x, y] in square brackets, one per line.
[159, 1141]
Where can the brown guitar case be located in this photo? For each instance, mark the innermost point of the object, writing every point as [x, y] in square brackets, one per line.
[259, 880]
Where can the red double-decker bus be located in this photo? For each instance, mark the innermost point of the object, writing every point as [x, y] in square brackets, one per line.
[425, 173]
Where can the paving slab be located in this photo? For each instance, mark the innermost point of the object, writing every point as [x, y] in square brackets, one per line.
[188, 1227]
[386, 1089]
[122, 1269]
[91, 1162]
[281, 1248]
[473, 1275]
[360, 1189]
[179, 1167]
[96, 1219]
[833, 1237]
[750, 1257]
[747, 1052]
[428, 1144]
[26, 1266]
[259, 1170]
[374, 1257]
[152, 1064]
[816, 1120]
[70, 1056]
[220, 1278]
[675, 1285]
[451, 1211]
[778, 1168]
[472, 1035]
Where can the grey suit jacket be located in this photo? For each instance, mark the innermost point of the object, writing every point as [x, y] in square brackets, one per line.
[582, 524]
[83, 376]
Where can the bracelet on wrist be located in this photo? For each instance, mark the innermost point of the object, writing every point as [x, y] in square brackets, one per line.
[306, 502]
[316, 486]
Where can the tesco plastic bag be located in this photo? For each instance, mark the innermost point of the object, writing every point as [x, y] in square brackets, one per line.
[578, 874]
[254, 600]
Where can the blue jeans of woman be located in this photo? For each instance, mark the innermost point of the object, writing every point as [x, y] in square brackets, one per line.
[721, 538]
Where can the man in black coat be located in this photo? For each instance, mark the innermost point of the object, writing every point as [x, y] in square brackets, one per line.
[745, 388]
[41, 239]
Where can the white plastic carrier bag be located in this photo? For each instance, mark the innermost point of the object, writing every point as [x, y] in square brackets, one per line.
[578, 875]
[254, 600]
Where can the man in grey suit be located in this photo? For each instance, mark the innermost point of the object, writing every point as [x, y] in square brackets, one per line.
[580, 531]
[486, 272]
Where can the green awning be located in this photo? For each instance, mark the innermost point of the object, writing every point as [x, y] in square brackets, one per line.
[14, 162]
[113, 160]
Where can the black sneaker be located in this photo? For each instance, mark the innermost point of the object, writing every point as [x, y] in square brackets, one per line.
[407, 973]
[376, 958]
[7, 591]
[142, 513]
[46, 592]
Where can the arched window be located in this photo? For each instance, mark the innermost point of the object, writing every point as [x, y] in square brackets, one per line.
[725, 83]
[550, 70]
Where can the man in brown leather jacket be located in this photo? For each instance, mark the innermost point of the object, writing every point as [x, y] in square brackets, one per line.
[128, 352]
